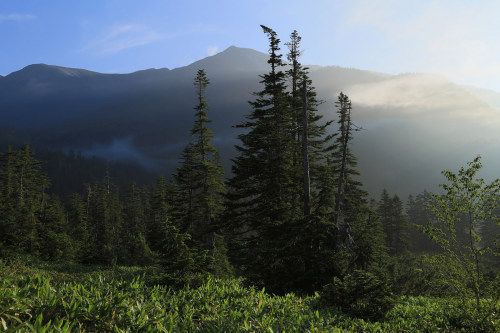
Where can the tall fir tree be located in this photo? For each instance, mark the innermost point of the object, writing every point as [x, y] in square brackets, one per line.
[350, 197]
[78, 226]
[31, 221]
[418, 215]
[9, 233]
[402, 238]
[318, 139]
[134, 249]
[23, 198]
[308, 245]
[161, 211]
[201, 182]
[55, 242]
[263, 190]
[105, 219]
[358, 229]
[395, 224]
[186, 183]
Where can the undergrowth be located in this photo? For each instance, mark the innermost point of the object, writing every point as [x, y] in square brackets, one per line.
[93, 299]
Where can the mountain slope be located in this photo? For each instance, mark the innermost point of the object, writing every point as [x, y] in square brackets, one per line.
[42, 95]
[414, 125]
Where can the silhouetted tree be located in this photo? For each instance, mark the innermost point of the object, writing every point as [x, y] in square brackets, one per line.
[200, 181]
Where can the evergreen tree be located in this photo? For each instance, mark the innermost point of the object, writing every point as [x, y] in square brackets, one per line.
[160, 212]
[401, 239]
[367, 250]
[23, 197]
[318, 140]
[186, 182]
[350, 197]
[104, 216]
[55, 243]
[134, 249]
[9, 235]
[394, 222]
[419, 214]
[358, 230]
[211, 188]
[384, 211]
[78, 227]
[201, 180]
[173, 249]
[263, 191]
[181, 263]
[31, 221]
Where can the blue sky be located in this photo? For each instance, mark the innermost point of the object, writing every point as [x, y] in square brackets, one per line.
[459, 39]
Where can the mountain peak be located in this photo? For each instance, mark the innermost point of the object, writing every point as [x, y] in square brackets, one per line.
[234, 48]
[234, 58]
[242, 51]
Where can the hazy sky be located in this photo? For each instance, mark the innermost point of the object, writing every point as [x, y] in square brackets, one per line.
[457, 38]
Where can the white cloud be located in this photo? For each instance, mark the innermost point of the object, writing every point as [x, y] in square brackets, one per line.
[122, 37]
[212, 50]
[16, 17]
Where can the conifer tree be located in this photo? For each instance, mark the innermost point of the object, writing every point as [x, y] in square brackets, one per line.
[160, 211]
[350, 196]
[318, 140]
[186, 182]
[357, 227]
[305, 246]
[104, 216]
[210, 176]
[384, 210]
[394, 222]
[418, 215]
[55, 243]
[264, 193]
[200, 180]
[401, 239]
[134, 248]
[31, 221]
[172, 248]
[23, 197]
[9, 235]
[78, 227]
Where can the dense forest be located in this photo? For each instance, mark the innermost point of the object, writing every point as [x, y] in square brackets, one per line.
[292, 217]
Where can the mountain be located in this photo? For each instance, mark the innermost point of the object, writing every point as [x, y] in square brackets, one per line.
[43, 95]
[412, 125]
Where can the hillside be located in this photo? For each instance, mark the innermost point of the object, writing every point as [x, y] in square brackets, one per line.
[413, 125]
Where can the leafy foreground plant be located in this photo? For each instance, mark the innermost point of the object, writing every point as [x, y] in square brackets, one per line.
[467, 206]
[36, 304]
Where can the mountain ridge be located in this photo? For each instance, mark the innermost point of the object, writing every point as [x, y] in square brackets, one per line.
[415, 124]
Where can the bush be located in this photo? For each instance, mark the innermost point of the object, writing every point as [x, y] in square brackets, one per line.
[413, 276]
[360, 294]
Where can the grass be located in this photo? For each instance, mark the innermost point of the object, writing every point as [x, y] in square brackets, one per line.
[75, 298]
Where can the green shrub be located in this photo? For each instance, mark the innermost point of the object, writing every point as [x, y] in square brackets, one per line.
[360, 294]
